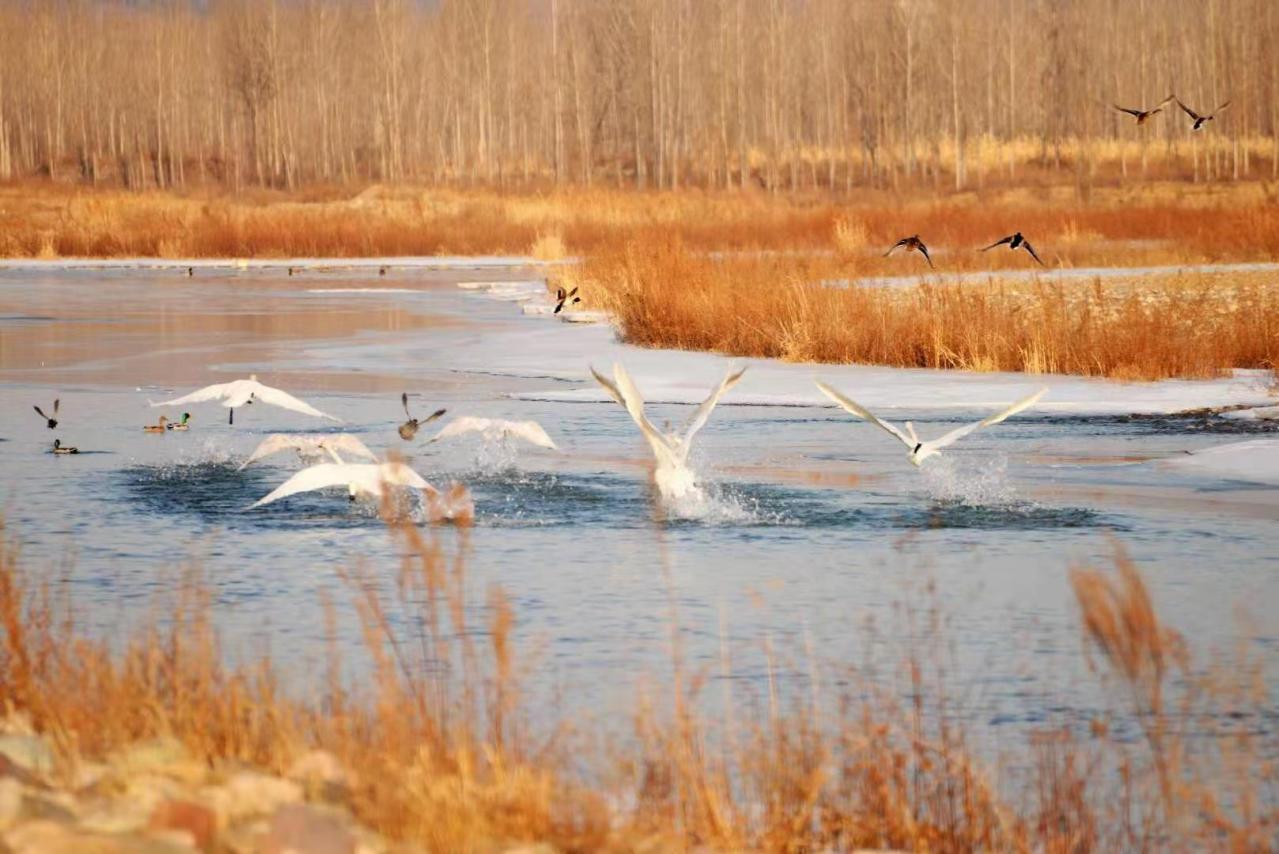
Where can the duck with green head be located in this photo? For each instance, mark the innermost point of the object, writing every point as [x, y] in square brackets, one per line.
[181, 425]
[59, 448]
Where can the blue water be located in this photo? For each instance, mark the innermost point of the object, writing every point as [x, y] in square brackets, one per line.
[817, 526]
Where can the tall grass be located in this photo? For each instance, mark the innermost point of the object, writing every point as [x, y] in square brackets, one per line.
[805, 310]
[441, 733]
[1157, 224]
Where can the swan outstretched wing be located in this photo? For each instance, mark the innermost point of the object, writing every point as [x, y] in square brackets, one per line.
[202, 395]
[634, 403]
[625, 393]
[459, 426]
[277, 442]
[347, 444]
[529, 431]
[324, 475]
[960, 432]
[284, 400]
[698, 421]
[861, 412]
[363, 476]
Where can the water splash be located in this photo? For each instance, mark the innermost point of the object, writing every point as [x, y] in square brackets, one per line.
[979, 482]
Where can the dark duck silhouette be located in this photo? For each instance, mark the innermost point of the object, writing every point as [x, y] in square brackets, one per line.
[1200, 120]
[51, 421]
[912, 243]
[1016, 241]
[562, 299]
[1142, 115]
[409, 428]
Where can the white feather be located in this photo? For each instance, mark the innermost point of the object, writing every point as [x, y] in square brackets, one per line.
[311, 446]
[920, 451]
[359, 478]
[673, 477]
[496, 428]
[239, 392]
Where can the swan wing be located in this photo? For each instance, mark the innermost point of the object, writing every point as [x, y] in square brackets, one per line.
[861, 412]
[459, 426]
[960, 432]
[348, 444]
[366, 477]
[698, 421]
[634, 403]
[209, 392]
[397, 474]
[608, 386]
[531, 432]
[275, 443]
[284, 400]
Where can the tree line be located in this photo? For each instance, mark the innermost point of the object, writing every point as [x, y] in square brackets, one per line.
[783, 94]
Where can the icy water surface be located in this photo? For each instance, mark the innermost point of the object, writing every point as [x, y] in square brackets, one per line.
[815, 523]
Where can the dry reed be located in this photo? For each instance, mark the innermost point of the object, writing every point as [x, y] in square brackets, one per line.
[807, 309]
[441, 733]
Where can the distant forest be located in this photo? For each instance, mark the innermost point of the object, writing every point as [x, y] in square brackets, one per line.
[779, 94]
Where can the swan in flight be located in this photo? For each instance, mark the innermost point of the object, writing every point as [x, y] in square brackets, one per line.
[238, 393]
[311, 447]
[673, 477]
[497, 428]
[920, 451]
[365, 479]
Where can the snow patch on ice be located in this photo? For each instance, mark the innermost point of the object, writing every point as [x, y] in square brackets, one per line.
[1256, 461]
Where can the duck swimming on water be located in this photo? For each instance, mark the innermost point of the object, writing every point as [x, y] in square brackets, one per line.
[59, 448]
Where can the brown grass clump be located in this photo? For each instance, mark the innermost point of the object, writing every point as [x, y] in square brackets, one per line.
[441, 735]
[805, 309]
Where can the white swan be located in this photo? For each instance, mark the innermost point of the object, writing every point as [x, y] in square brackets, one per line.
[497, 428]
[358, 478]
[238, 393]
[363, 479]
[673, 477]
[920, 451]
[311, 447]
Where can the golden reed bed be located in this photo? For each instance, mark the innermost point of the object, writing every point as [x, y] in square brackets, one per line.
[750, 273]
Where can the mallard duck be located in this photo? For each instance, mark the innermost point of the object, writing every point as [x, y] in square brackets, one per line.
[561, 297]
[409, 428]
[59, 448]
[1199, 120]
[912, 242]
[156, 428]
[1016, 241]
[181, 425]
[51, 421]
[1142, 115]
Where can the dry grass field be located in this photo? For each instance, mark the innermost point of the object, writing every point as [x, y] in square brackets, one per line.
[449, 758]
[760, 275]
